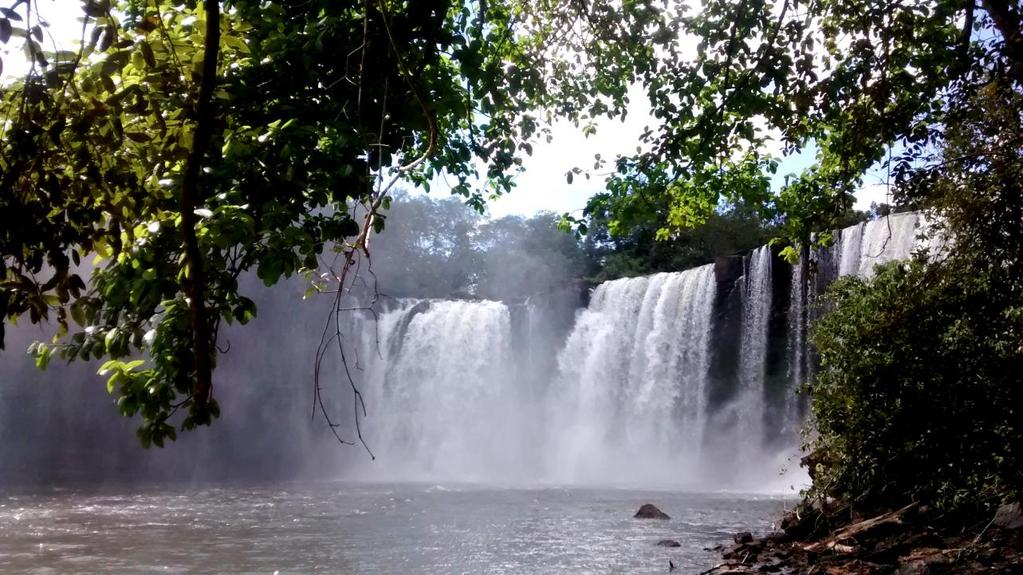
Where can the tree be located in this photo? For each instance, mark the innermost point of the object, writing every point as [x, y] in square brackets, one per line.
[443, 248]
[917, 398]
[430, 249]
[523, 257]
[185, 144]
[918, 395]
[638, 250]
[865, 82]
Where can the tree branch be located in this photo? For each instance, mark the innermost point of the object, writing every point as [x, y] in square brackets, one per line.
[966, 34]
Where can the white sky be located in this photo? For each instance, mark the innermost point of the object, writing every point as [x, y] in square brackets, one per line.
[64, 30]
[541, 186]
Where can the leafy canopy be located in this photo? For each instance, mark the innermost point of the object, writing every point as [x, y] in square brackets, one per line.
[869, 84]
[918, 394]
[185, 143]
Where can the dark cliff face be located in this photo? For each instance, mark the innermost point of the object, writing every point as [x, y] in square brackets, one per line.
[777, 382]
[726, 339]
[540, 326]
[726, 334]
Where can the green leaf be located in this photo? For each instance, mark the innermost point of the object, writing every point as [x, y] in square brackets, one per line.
[236, 43]
[43, 354]
[790, 254]
[138, 137]
[108, 366]
[147, 54]
[77, 313]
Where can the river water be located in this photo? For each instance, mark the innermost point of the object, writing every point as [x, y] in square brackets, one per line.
[368, 528]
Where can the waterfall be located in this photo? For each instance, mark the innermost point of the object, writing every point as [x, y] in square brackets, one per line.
[630, 402]
[680, 379]
[850, 244]
[443, 398]
[863, 246]
[796, 348]
[478, 391]
[756, 313]
[888, 239]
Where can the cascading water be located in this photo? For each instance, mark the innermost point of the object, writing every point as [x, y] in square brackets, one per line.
[850, 244]
[455, 394]
[444, 403]
[756, 312]
[630, 403]
[673, 379]
[888, 239]
[796, 349]
[863, 246]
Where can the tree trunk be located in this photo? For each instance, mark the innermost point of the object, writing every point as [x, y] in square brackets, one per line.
[195, 283]
[1007, 20]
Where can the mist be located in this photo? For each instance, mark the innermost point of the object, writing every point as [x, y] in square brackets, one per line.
[60, 426]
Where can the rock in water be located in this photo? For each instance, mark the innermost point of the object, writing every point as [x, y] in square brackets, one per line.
[668, 543]
[650, 511]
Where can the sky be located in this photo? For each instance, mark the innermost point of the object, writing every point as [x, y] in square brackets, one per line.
[542, 185]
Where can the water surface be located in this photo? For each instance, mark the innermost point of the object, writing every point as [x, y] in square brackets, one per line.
[364, 528]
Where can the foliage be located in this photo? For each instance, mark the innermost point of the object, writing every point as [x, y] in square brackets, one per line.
[429, 249]
[184, 145]
[639, 251]
[864, 82]
[973, 184]
[441, 248]
[311, 111]
[918, 395]
[529, 256]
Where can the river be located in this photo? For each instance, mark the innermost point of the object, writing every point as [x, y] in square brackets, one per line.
[368, 528]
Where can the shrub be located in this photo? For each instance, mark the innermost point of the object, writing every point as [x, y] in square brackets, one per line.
[918, 395]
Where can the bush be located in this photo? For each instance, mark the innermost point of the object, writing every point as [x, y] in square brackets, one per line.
[918, 395]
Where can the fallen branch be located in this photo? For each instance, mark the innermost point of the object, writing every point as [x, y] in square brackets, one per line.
[860, 529]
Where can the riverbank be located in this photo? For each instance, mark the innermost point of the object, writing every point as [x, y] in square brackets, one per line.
[913, 540]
